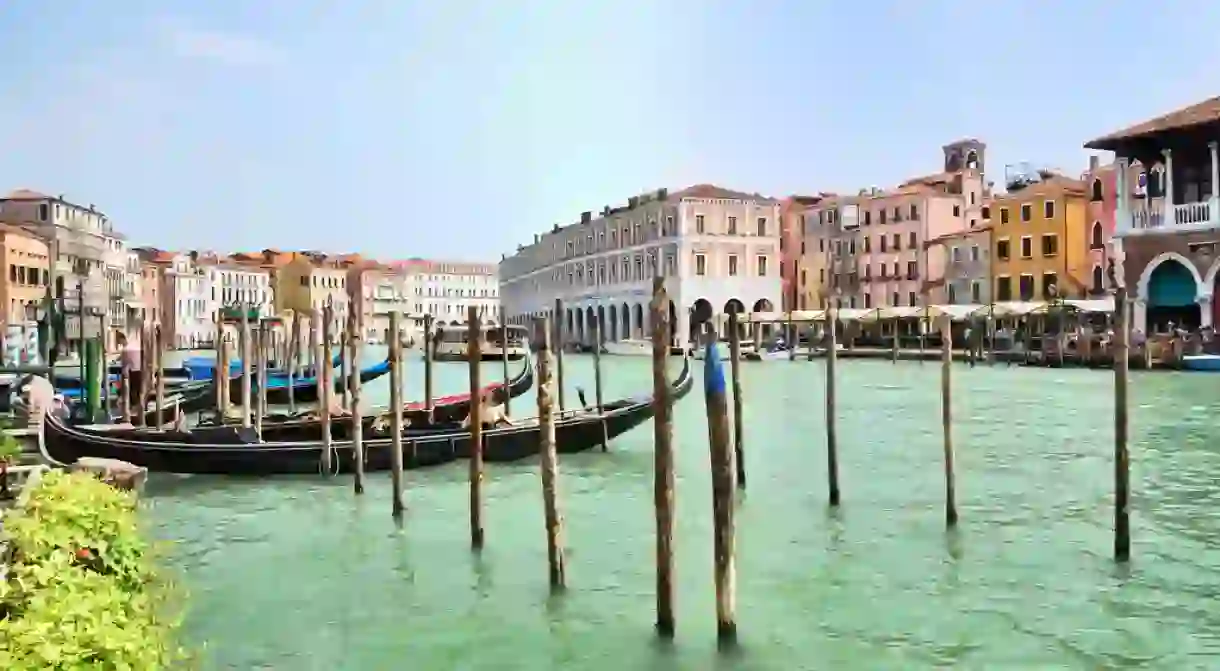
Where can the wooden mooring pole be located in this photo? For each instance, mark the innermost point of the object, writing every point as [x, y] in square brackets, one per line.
[738, 420]
[832, 439]
[246, 368]
[395, 342]
[550, 461]
[158, 370]
[294, 358]
[322, 374]
[508, 398]
[345, 366]
[429, 354]
[357, 418]
[260, 364]
[1122, 465]
[946, 418]
[557, 344]
[474, 351]
[597, 374]
[723, 529]
[125, 374]
[663, 470]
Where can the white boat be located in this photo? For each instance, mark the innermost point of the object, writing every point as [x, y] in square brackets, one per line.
[629, 347]
[451, 341]
[1204, 362]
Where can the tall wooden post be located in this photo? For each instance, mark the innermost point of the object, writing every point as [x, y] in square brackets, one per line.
[832, 439]
[557, 344]
[125, 381]
[723, 527]
[326, 387]
[395, 338]
[597, 374]
[946, 418]
[260, 364]
[1122, 466]
[429, 354]
[294, 359]
[550, 461]
[738, 421]
[474, 355]
[244, 344]
[508, 398]
[220, 371]
[158, 370]
[663, 468]
[345, 365]
[354, 382]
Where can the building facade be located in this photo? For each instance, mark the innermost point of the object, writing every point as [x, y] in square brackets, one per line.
[716, 249]
[1039, 247]
[186, 294]
[1102, 182]
[869, 250]
[308, 283]
[792, 249]
[235, 285]
[1167, 228]
[77, 237]
[448, 289]
[25, 257]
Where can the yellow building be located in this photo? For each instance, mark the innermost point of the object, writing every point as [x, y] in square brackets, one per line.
[1040, 240]
[306, 284]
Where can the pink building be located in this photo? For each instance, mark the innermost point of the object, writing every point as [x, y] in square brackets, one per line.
[1102, 183]
[873, 244]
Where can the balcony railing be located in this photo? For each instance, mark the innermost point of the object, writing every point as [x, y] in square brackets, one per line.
[1195, 216]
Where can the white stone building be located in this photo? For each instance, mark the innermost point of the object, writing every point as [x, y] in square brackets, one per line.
[447, 289]
[717, 250]
[186, 295]
[232, 285]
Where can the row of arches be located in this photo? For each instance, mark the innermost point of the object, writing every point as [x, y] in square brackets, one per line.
[630, 320]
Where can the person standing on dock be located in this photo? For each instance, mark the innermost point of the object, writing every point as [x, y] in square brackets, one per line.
[135, 381]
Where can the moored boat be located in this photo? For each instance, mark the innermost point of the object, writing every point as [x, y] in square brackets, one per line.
[575, 431]
[1202, 362]
[628, 347]
[450, 343]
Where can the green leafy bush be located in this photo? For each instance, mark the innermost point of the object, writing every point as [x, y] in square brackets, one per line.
[82, 592]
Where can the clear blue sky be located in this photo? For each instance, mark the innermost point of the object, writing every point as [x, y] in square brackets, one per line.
[459, 128]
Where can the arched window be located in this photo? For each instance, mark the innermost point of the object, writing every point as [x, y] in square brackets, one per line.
[1095, 238]
[1099, 280]
[1097, 193]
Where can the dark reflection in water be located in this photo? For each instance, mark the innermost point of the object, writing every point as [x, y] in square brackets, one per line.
[293, 573]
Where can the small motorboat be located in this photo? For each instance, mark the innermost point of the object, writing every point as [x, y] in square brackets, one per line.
[628, 347]
[1202, 362]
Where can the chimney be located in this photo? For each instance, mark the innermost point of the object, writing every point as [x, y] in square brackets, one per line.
[605, 210]
[1093, 163]
[586, 217]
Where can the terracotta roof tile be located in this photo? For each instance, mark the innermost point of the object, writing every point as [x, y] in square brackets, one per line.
[711, 191]
[25, 194]
[1197, 114]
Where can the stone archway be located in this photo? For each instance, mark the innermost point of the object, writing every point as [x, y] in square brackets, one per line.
[612, 323]
[639, 321]
[764, 305]
[1170, 287]
[602, 328]
[625, 315]
[732, 306]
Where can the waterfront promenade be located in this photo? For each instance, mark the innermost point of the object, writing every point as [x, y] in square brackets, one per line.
[296, 573]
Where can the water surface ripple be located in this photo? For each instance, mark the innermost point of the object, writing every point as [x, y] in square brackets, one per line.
[299, 574]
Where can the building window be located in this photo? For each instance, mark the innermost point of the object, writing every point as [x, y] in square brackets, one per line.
[1048, 209]
[976, 291]
[1002, 251]
[986, 212]
[1095, 237]
[912, 270]
[894, 299]
[897, 242]
[762, 266]
[957, 210]
[700, 264]
[762, 226]
[974, 253]
[868, 301]
[1026, 287]
[1003, 215]
[43, 212]
[884, 242]
[911, 298]
[955, 254]
[1050, 244]
[1050, 283]
[952, 294]
[1003, 288]
[1026, 212]
[1097, 194]
[914, 212]
[913, 240]
[732, 265]
[867, 244]
[732, 225]
[699, 224]
[1027, 247]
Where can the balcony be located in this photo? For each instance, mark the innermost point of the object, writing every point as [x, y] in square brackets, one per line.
[1152, 218]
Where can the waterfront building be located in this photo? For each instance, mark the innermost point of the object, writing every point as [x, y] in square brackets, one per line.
[186, 294]
[309, 282]
[234, 284]
[150, 285]
[1040, 240]
[792, 250]
[966, 258]
[380, 290]
[25, 258]
[1166, 239]
[1102, 182]
[869, 249]
[447, 289]
[114, 273]
[77, 237]
[717, 250]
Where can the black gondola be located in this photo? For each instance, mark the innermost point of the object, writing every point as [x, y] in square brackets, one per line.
[288, 428]
[574, 431]
[304, 389]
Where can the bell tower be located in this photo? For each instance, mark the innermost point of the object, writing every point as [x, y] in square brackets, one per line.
[969, 154]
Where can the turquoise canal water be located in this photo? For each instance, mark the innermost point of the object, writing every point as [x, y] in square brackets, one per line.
[299, 574]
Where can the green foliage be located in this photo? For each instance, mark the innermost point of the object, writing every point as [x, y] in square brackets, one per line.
[82, 592]
[10, 449]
